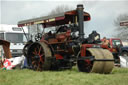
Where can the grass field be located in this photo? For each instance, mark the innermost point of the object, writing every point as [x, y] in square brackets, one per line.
[119, 76]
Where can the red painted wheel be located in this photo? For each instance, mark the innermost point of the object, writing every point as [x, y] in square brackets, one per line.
[38, 55]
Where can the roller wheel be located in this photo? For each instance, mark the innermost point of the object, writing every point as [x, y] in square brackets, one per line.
[96, 66]
[39, 56]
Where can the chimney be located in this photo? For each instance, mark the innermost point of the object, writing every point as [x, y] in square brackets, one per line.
[80, 20]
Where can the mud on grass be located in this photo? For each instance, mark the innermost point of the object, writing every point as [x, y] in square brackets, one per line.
[119, 76]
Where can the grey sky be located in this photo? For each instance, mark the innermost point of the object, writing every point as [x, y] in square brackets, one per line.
[103, 12]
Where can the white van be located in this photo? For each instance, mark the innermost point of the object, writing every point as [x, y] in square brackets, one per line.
[15, 35]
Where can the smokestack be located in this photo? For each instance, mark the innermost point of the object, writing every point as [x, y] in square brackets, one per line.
[80, 20]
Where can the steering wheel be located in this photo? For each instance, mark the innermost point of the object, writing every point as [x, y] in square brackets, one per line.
[38, 36]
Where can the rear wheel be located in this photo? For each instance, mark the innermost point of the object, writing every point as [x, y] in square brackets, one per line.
[39, 56]
[88, 65]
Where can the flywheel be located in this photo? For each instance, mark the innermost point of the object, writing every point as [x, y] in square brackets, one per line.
[103, 61]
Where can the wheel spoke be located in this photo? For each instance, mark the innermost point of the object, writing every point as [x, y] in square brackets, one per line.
[39, 67]
[39, 50]
[34, 53]
[33, 62]
[41, 60]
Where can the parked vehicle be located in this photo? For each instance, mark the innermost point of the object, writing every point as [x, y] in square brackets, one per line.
[15, 36]
[116, 47]
[124, 51]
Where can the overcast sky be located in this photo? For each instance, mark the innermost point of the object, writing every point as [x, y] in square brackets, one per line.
[103, 12]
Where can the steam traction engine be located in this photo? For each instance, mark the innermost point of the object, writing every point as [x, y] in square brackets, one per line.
[66, 46]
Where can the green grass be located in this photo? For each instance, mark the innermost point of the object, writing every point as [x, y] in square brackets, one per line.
[119, 76]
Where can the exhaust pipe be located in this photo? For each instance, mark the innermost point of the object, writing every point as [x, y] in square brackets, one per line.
[80, 21]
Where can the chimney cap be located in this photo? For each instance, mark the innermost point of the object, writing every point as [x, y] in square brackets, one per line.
[80, 6]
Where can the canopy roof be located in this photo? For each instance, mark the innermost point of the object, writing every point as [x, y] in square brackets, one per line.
[54, 20]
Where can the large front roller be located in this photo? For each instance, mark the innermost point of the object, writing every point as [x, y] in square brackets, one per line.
[39, 56]
[102, 62]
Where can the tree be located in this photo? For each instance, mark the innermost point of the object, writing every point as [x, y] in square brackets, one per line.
[122, 31]
[60, 9]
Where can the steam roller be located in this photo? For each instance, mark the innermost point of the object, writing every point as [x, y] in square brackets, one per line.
[66, 46]
[101, 61]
